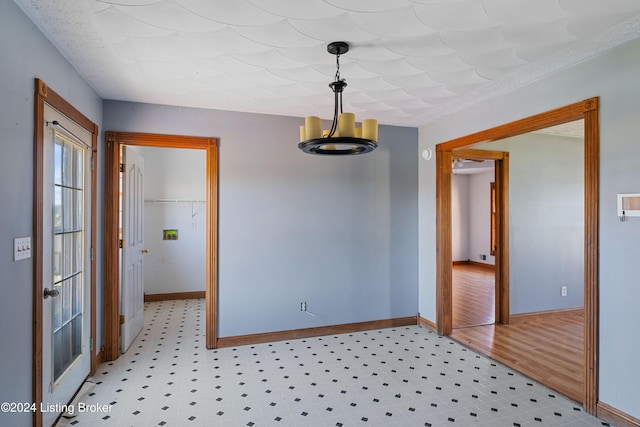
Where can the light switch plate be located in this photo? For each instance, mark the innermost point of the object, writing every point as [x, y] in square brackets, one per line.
[21, 248]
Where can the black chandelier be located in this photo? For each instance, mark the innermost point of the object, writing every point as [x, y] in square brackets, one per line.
[343, 138]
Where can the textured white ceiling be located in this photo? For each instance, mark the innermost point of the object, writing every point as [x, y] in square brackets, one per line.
[571, 129]
[410, 60]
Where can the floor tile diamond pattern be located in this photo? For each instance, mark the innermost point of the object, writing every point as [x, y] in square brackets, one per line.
[406, 376]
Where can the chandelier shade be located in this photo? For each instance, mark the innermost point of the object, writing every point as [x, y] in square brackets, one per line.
[344, 138]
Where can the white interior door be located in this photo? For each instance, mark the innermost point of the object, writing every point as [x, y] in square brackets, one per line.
[132, 290]
[66, 234]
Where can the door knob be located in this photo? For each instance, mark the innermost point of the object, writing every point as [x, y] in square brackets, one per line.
[145, 251]
[51, 293]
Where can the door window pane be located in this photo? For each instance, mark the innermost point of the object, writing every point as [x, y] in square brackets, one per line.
[57, 162]
[57, 209]
[57, 258]
[77, 256]
[67, 211]
[76, 308]
[68, 253]
[67, 164]
[78, 203]
[79, 168]
[57, 310]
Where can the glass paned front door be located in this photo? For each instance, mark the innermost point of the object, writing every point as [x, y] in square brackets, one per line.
[68, 249]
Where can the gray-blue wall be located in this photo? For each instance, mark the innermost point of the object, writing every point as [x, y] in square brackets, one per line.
[337, 233]
[546, 221]
[24, 55]
[614, 78]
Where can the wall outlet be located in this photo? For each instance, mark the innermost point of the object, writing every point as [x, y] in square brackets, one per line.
[564, 291]
[483, 257]
[303, 306]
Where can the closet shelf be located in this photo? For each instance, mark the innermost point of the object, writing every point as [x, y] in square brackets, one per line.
[194, 210]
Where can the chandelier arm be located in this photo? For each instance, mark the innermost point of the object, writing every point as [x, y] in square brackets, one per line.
[334, 125]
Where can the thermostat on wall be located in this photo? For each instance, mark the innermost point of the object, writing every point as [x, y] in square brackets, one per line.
[628, 205]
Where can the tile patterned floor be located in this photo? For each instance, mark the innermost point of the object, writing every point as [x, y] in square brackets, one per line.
[405, 376]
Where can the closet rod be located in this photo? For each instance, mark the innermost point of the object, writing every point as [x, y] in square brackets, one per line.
[175, 201]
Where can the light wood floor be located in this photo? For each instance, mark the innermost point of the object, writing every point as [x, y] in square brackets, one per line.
[473, 296]
[549, 351]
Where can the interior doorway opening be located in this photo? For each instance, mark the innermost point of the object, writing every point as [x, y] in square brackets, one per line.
[473, 210]
[587, 110]
[163, 239]
[114, 142]
[544, 339]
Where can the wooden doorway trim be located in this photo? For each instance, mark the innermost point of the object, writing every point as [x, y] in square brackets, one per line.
[587, 110]
[45, 95]
[501, 161]
[113, 142]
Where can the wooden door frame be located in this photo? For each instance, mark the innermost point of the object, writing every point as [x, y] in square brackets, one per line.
[113, 142]
[587, 110]
[45, 95]
[501, 161]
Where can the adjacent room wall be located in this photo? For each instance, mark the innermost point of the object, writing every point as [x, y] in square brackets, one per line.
[460, 212]
[612, 77]
[471, 217]
[337, 233]
[546, 221]
[24, 55]
[174, 192]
